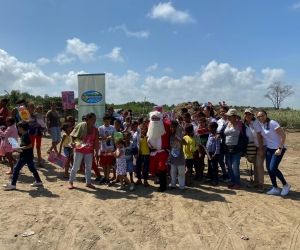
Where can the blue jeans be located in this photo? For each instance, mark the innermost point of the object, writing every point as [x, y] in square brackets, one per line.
[20, 164]
[142, 159]
[88, 159]
[55, 134]
[234, 167]
[221, 162]
[272, 164]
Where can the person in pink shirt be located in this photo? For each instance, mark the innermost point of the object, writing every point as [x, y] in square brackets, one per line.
[11, 131]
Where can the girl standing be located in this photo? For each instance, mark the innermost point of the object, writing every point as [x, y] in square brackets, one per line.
[119, 154]
[65, 143]
[275, 138]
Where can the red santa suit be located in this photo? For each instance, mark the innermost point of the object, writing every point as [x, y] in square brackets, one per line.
[159, 151]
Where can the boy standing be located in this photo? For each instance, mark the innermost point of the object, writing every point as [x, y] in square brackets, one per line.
[26, 157]
[213, 148]
[189, 149]
[106, 135]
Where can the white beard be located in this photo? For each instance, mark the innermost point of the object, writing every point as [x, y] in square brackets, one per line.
[156, 130]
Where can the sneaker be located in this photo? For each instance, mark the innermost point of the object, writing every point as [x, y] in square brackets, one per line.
[90, 186]
[230, 185]
[214, 183]
[207, 181]
[120, 188]
[172, 188]
[98, 178]
[108, 183]
[36, 184]
[235, 186]
[131, 187]
[226, 178]
[102, 181]
[138, 182]
[253, 184]
[146, 184]
[9, 186]
[274, 191]
[285, 189]
[70, 185]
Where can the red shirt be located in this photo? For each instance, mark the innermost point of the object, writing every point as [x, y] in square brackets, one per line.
[7, 114]
[89, 140]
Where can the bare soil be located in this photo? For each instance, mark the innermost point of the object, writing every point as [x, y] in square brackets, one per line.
[201, 217]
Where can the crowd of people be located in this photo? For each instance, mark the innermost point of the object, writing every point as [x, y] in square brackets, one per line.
[151, 145]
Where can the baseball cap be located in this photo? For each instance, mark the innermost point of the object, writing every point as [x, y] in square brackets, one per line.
[231, 112]
[249, 110]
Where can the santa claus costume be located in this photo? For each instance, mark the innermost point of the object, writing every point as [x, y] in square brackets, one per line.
[159, 142]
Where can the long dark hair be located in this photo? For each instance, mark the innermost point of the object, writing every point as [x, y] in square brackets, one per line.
[89, 116]
[267, 120]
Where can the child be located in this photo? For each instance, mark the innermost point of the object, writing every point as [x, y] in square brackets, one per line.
[106, 134]
[11, 131]
[177, 163]
[127, 124]
[68, 150]
[143, 158]
[136, 135]
[189, 149]
[130, 151]
[202, 132]
[213, 148]
[119, 154]
[26, 157]
[118, 127]
[40, 120]
[2, 147]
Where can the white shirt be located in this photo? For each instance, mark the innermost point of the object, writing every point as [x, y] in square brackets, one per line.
[270, 134]
[251, 132]
[220, 122]
[105, 132]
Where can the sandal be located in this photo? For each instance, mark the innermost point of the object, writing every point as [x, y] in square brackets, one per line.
[9, 172]
[90, 186]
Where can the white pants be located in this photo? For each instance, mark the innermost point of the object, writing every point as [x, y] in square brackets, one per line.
[180, 169]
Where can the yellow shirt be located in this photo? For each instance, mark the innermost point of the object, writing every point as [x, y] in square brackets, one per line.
[66, 141]
[144, 148]
[190, 148]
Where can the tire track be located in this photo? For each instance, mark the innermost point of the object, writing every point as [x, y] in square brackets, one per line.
[293, 244]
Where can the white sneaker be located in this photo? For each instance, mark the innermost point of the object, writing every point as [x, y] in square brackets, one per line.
[36, 184]
[285, 189]
[9, 187]
[274, 191]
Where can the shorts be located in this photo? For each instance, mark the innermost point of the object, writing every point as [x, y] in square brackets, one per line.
[68, 152]
[189, 163]
[129, 165]
[55, 134]
[106, 160]
[37, 139]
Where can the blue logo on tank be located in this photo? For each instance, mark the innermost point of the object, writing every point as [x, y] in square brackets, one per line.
[91, 96]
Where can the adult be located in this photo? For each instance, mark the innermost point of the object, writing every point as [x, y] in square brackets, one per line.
[234, 135]
[35, 133]
[4, 111]
[275, 138]
[87, 147]
[159, 143]
[53, 125]
[209, 113]
[258, 152]
[221, 156]
[111, 111]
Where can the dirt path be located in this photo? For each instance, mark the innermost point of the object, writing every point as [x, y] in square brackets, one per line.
[201, 217]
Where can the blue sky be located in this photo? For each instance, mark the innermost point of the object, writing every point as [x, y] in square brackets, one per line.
[166, 51]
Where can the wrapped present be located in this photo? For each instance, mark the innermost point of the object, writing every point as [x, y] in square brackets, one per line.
[57, 159]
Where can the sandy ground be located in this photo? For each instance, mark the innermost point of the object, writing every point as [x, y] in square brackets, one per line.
[201, 217]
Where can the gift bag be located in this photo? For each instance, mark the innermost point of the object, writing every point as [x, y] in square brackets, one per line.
[57, 159]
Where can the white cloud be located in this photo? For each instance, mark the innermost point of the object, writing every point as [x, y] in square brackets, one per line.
[85, 52]
[296, 6]
[63, 58]
[166, 12]
[214, 82]
[114, 55]
[167, 69]
[138, 34]
[43, 61]
[152, 67]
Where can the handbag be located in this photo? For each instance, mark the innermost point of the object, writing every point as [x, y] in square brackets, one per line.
[251, 148]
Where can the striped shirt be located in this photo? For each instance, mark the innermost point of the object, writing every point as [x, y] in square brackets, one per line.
[212, 145]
